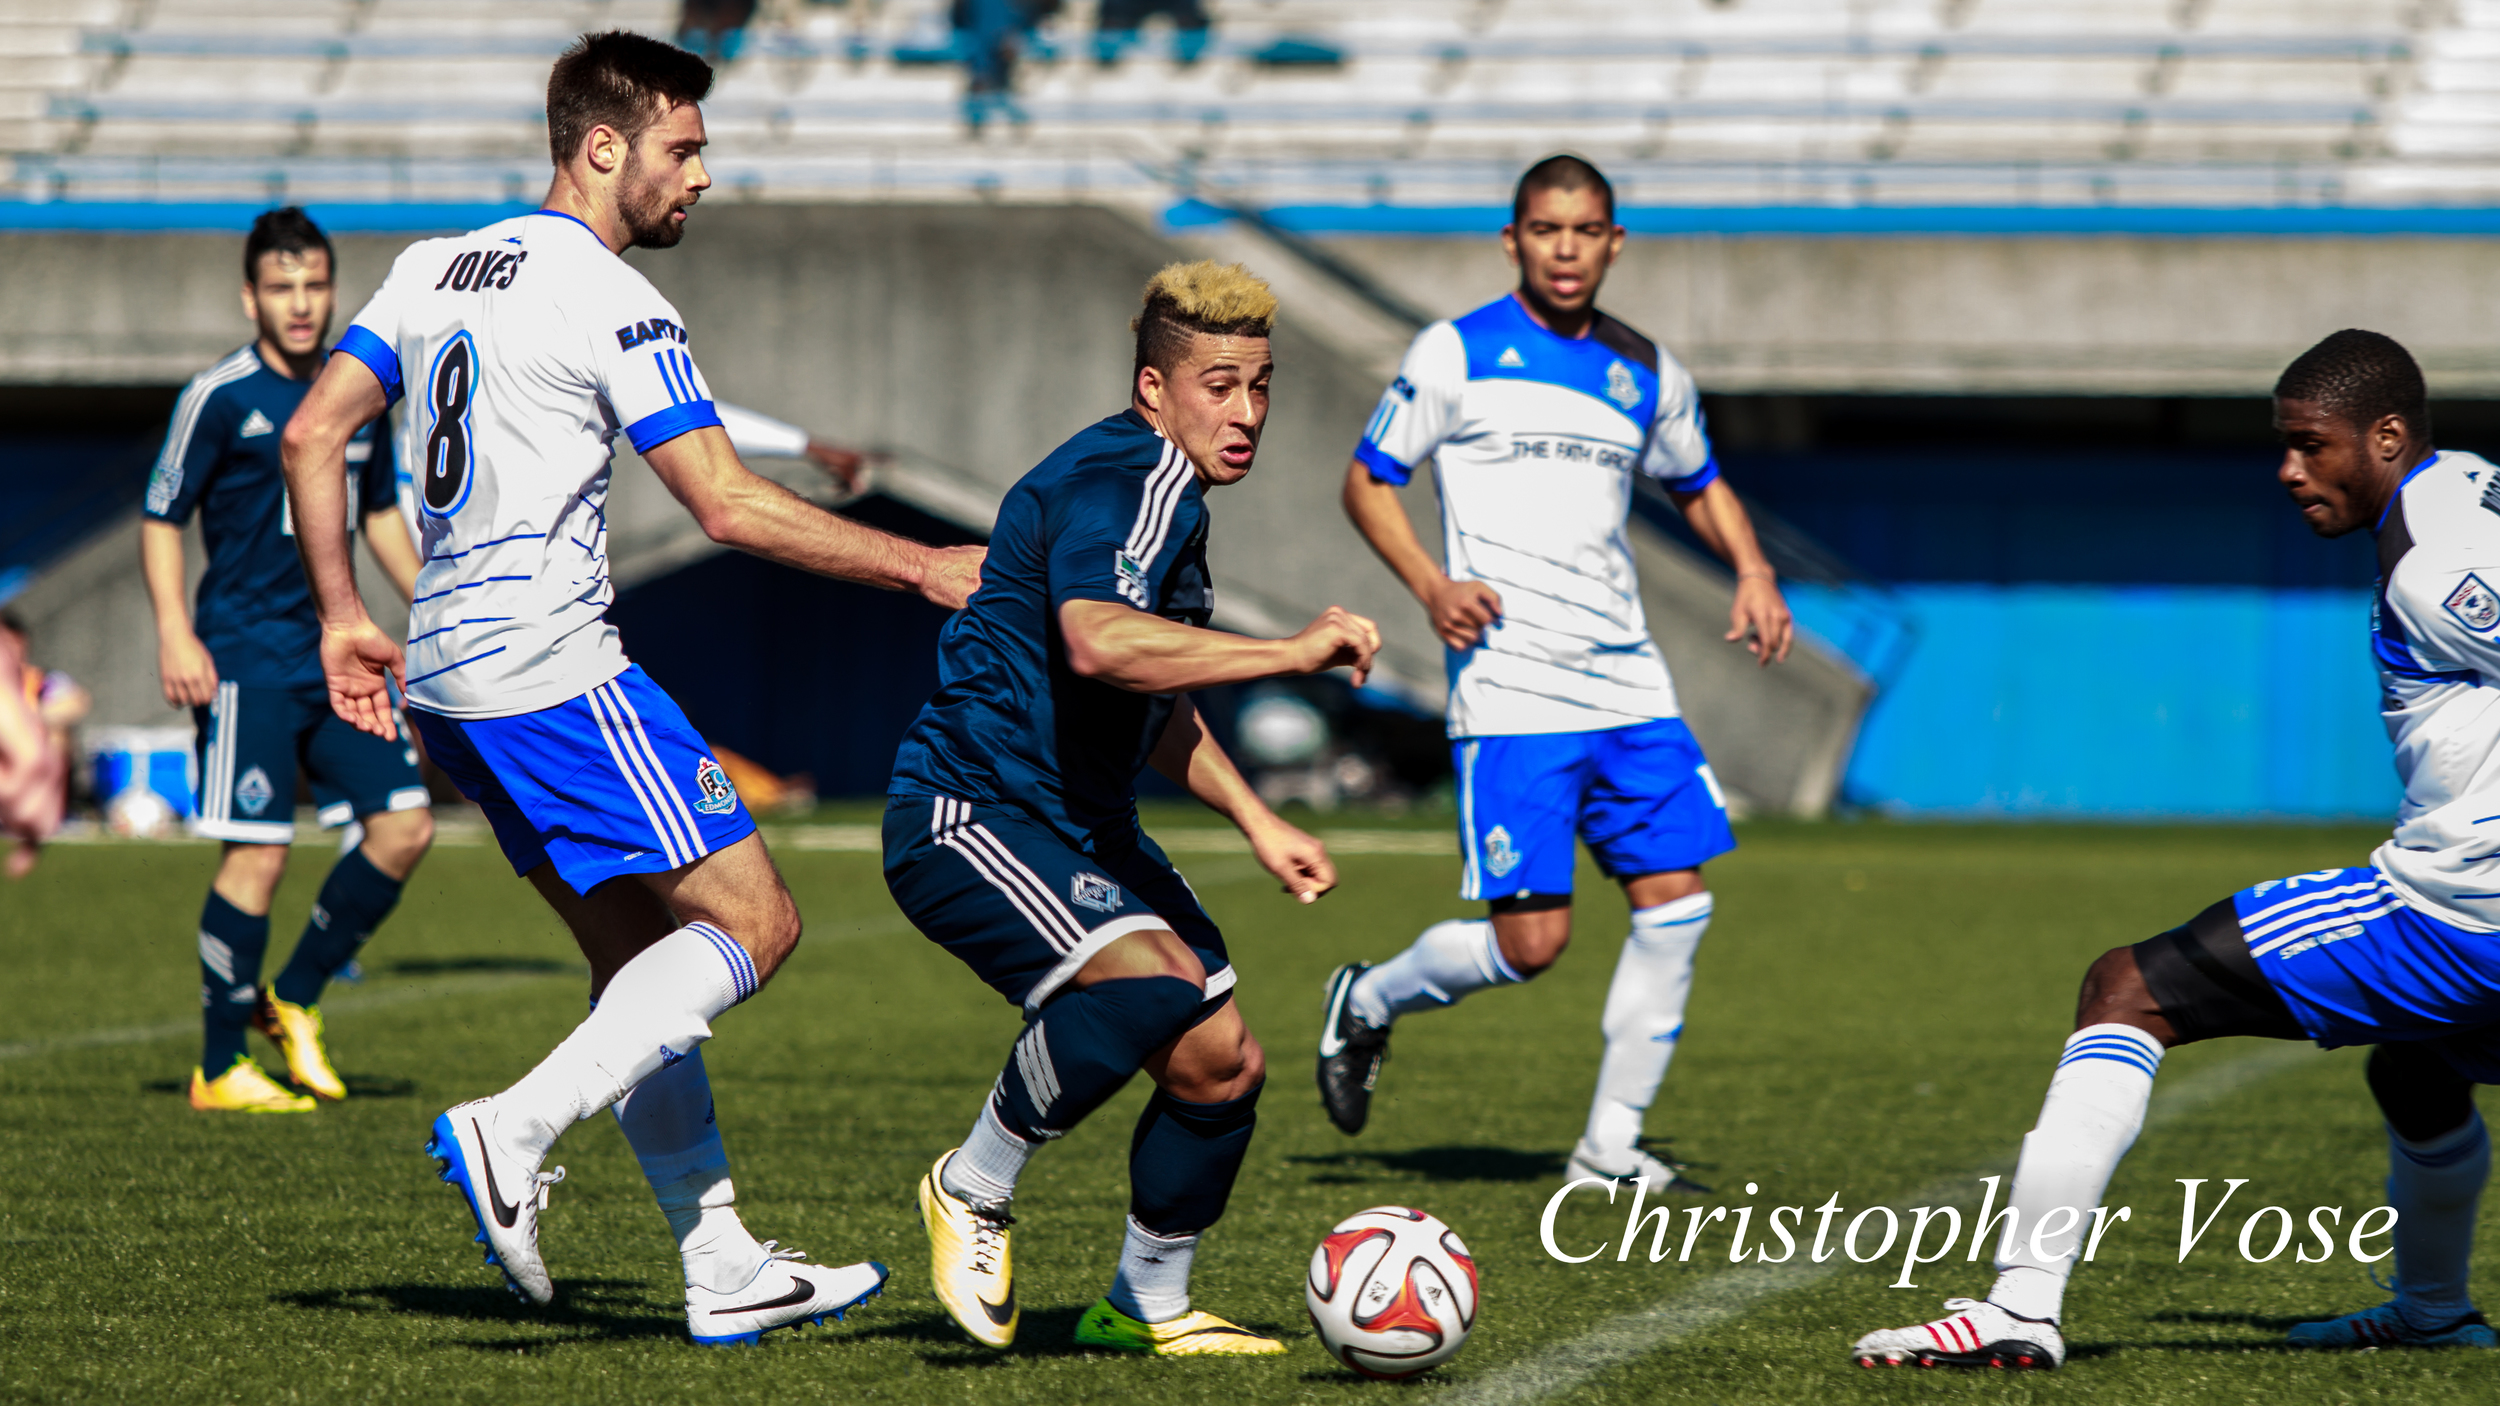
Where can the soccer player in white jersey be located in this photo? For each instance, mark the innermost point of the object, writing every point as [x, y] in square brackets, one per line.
[2402, 953]
[526, 347]
[1537, 410]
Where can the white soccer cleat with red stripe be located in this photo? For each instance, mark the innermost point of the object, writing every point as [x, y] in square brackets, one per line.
[1973, 1333]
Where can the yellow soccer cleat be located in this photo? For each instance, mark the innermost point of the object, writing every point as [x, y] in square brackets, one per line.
[297, 1031]
[970, 1265]
[243, 1088]
[1193, 1334]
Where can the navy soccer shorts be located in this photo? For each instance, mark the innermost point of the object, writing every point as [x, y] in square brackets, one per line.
[1641, 796]
[613, 782]
[254, 742]
[1023, 908]
[2338, 957]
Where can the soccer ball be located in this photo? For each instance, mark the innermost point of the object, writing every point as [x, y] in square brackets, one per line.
[1392, 1292]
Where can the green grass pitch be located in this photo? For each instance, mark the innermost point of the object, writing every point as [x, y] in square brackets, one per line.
[1876, 1011]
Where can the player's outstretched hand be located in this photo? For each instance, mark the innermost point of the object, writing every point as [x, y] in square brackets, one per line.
[1462, 609]
[358, 662]
[1339, 638]
[188, 672]
[1761, 613]
[1297, 859]
[953, 576]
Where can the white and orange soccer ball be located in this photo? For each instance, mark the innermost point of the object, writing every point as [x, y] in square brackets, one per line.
[1392, 1292]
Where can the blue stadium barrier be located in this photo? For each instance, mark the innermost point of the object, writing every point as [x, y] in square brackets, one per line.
[1481, 221]
[2124, 702]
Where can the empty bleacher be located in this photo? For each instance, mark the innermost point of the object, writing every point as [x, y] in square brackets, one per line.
[1413, 102]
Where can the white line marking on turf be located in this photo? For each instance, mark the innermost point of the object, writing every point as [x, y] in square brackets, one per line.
[870, 839]
[1728, 1296]
[356, 1001]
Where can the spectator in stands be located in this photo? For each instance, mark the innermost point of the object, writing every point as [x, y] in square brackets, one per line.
[1117, 23]
[715, 29]
[991, 35]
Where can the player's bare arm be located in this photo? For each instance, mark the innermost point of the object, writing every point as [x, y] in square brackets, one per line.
[358, 658]
[183, 664]
[1143, 653]
[1760, 616]
[1459, 610]
[738, 508]
[386, 536]
[1189, 754]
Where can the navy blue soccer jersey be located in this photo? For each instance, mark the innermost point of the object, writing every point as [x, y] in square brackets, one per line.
[255, 611]
[1115, 514]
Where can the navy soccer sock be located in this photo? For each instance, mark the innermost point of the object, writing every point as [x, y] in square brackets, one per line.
[231, 943]
[1183, 1158]
[1084, 1046]
[354, 900]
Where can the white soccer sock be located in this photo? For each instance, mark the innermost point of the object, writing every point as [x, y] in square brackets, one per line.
[2094, 1109]
[1449, 961]
[2434, 1187]
[668, 1120]
[1152, 1284]
[658, 1007]
[985, 1168]
[1644, 1017]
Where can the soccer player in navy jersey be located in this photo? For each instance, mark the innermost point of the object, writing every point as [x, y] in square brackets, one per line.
[1011, 831]
[246, 666]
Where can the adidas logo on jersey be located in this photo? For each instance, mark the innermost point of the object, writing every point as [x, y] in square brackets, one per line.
[255, 425]
[1510, 357]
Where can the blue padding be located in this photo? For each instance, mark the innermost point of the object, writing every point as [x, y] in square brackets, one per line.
[1384, 468]
[1695, 481]
[1983, 220]
[659, 427]
[2114, 701]
[377, 356]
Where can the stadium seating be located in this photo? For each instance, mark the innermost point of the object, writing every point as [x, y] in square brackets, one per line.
[1729, 102]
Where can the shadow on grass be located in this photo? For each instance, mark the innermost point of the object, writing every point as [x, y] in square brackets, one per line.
[2268, 1322]
[1435, 1164]
[611, 1309]
[2084, 1352]
[1044, 1332]
[438, 966]
[358, 1086]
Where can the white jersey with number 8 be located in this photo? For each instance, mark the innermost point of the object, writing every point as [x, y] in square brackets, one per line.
[523, 349]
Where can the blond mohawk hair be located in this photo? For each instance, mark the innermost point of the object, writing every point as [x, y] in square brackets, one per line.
[1183, 300]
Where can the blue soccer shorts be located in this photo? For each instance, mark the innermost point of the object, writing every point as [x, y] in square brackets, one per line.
[613, 782]
[1025, 909]
[2356, 966]
[254, 742]
[1641, 796]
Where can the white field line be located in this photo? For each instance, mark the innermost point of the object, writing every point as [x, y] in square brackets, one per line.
[869, 839]
[351, 1002]
[1724, 1297]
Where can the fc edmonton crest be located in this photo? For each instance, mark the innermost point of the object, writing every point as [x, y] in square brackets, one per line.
[2473, 604]
[1500, 856]
[1095, 892]
[719, 797]
[1620, 387]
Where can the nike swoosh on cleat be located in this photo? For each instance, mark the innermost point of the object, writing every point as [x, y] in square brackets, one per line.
[998, 1313]
[1331, 1042]
[800, 1292]
[506, 1212]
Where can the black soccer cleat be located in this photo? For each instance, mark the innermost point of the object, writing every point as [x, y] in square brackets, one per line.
[1350, 1054]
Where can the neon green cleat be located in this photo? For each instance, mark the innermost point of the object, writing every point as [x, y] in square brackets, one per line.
[243, 1088]
[1193, 1334]
[296, 1030]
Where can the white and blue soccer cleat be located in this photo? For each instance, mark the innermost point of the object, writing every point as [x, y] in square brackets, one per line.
[2386, 1326]
[1973, 1333]
[504, 1189]
[783, 1294]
